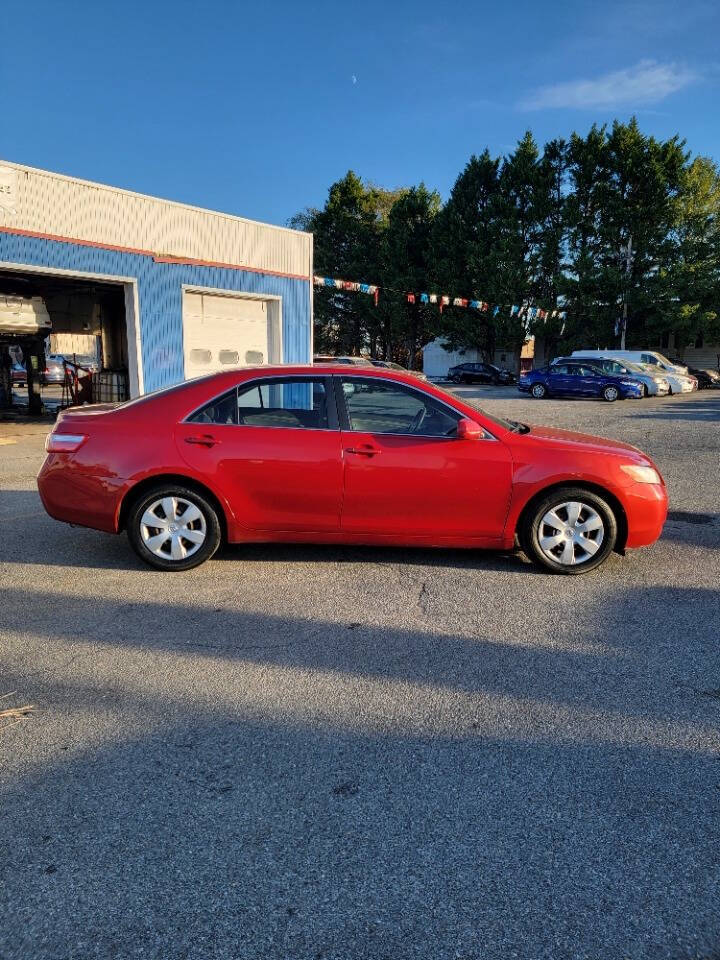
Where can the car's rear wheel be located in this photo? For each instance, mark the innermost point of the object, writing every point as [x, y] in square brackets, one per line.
[538, 390]
[172, 527]
[570, 531]
[611, 393]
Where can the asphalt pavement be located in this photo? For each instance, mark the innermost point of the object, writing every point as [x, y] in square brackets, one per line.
[301, 752]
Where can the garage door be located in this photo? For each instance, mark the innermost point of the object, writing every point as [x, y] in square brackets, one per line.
[221, 332]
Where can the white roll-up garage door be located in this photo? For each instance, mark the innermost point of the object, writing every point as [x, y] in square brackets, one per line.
[224, 331]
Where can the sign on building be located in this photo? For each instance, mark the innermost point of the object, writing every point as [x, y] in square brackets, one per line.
[8, 189]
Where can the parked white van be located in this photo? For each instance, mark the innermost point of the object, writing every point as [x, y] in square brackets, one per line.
[634, 356]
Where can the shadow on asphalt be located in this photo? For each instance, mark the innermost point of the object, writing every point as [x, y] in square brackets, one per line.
[277, 809]
[82, 547]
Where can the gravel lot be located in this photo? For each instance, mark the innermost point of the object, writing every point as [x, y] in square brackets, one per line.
[298, 752]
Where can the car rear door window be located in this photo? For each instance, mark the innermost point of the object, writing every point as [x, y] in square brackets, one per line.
[222, 411]
[373, 406]
[294, 402]
[298, 403]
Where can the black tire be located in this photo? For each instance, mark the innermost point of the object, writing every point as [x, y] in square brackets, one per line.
[646, 392]
[611, 393]
[538, 391]
[530, 525]
[212, 528]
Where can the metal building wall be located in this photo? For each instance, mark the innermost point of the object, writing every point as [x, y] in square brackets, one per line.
[48, 203]
[48, 220]
[160, 296]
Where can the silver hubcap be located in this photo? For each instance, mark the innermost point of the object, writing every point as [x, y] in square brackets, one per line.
[173, 528]
[571, 533]
[611, 393]
[537, 391]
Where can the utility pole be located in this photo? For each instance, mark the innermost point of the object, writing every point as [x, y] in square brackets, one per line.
[627, 252]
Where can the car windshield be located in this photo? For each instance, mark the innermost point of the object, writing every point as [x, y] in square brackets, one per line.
[175, 388]
[513, 425]
[634, 367]
[655, 370]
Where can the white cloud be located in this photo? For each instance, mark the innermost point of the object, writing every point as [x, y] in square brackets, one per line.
[646, 82]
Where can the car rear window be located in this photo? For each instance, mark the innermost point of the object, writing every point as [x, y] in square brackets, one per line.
[164, 391]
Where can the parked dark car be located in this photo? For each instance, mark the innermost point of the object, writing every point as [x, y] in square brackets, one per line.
[389, 365]
[480, 373]
[579, 380]
[707, 379]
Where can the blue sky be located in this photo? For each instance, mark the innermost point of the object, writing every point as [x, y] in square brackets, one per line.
[255, 109]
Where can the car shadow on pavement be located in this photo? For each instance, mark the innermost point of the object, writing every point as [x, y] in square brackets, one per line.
[693, 528]
[83, 547]
[254, 786]
[681, 408]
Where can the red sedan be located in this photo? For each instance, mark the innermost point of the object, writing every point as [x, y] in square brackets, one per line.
[336, 455]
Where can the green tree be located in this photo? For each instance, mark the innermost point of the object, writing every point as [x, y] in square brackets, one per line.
[640, 203]
[348, 239]
[694, 280]
[550, 286]
[406, 268]
[465, 252]
[523, 208]
[588, 176]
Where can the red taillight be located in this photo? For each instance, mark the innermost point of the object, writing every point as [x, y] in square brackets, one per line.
[64, 442]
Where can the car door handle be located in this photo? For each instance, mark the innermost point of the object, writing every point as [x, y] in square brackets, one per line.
[365, 450]
[205, 441]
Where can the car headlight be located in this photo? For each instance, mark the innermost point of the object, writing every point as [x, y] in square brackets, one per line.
[640, 473]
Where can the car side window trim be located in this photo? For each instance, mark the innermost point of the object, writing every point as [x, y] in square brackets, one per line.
[327, 381]
[345, 420]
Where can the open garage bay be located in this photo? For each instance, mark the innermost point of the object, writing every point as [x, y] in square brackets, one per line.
[306, 752]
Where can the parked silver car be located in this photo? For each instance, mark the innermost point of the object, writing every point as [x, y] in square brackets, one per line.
[679, 382]
[655, 383]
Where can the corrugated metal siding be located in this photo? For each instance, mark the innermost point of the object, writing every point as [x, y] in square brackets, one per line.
[48, 203]
[160, 297]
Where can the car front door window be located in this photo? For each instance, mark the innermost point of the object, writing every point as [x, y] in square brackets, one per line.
[376, 407]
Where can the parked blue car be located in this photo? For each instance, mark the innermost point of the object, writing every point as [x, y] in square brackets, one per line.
[579, 380]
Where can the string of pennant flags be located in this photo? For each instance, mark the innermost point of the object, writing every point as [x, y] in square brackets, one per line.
[442, 300]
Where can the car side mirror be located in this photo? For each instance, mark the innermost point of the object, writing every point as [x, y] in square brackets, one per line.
[468, 429]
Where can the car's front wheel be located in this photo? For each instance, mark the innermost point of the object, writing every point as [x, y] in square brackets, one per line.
[538, 390]
[172, 527]
[569, 531]
[611, 394]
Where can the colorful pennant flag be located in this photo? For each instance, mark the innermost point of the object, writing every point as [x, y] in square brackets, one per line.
[444, 300]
